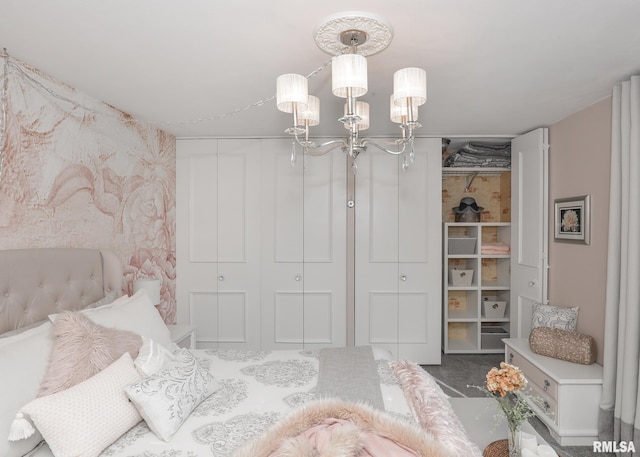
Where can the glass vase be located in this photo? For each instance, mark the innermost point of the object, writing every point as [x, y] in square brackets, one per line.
[515, 441]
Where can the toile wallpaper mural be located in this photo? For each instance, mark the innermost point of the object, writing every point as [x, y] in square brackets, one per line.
[79, 173]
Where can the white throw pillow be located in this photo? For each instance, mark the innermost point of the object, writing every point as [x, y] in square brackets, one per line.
[167, 398]
[86, 418]
[152, 357]
[136, 314]
[23, 361]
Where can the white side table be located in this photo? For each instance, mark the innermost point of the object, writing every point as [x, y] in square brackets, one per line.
[184, 335]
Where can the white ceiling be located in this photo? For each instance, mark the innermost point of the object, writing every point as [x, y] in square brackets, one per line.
[493, 66]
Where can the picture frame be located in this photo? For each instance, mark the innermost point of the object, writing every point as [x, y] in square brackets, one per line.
[573, 219]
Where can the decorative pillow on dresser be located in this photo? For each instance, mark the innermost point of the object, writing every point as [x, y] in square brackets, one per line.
[560, 317]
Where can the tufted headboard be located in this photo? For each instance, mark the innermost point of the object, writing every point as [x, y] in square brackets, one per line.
[37, 282]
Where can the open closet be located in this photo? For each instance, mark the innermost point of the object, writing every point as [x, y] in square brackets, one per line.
[495, 267]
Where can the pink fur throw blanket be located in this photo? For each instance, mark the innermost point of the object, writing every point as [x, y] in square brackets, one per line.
[432, 409]
[334, 428]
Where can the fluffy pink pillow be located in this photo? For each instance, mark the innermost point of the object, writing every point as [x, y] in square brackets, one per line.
[82, 349]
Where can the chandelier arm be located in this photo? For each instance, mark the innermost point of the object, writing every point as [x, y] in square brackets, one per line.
[317, 150]
[381, 144]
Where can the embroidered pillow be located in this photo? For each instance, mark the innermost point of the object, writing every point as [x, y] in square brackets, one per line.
[560, 317]
[81, 349]
[167, 398]
[88, 417]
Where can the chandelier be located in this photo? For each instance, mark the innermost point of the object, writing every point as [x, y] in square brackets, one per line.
[350, 37]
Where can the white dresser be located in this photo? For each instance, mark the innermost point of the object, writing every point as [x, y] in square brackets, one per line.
[569, 392]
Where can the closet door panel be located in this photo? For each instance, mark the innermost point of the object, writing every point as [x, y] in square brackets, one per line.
[288, 315]
[415, 216]
[398, 256]
[321, 327]
[383, 322]
[239, 224]
[304, 273]
[282, 248]
[376, 251]
[322, 212]
[219, 281]
[285, 187]
[420, 254]
[204, 310]
[202, 198]
[234, 202]
[382, 188]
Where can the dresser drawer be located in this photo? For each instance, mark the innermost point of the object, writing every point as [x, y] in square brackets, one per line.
[535, 376]
[542, 400]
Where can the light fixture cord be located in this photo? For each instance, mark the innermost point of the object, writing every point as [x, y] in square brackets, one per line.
[239, 110]
[4, 102]
[11, 63]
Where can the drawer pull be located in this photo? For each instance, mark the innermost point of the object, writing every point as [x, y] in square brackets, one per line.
[510, 357]
[546, 406]
[546, 385]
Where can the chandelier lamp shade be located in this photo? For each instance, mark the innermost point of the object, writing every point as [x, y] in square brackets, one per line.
[358, 35]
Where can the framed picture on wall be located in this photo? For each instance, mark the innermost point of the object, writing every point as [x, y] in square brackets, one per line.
[572, 219]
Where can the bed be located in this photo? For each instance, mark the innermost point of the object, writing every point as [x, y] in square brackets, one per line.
[92, 372]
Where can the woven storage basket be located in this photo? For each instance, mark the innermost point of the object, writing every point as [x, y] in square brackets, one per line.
[563, 344]
[498, 448]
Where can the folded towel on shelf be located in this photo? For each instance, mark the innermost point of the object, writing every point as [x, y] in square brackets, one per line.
[495, 248]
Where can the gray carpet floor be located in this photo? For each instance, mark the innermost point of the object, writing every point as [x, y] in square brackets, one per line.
[458, 371]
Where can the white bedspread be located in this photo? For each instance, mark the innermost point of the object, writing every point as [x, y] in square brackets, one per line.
[257, 389]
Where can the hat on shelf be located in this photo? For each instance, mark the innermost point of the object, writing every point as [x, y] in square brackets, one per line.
[467, 204]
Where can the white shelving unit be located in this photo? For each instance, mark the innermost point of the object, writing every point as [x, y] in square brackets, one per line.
[467, 327]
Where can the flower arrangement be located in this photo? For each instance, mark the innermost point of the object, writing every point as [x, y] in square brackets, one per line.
[507, 385]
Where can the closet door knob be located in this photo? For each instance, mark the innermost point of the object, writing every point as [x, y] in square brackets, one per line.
[298, 277]
[533, 283]
[403, 277]
[221, 278]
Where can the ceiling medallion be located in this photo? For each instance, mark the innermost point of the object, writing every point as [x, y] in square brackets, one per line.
[376, 31]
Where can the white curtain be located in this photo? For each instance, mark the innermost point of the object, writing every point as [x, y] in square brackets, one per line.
[620, 404]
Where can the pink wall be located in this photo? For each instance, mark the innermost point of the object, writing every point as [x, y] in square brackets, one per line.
[579, 165]
[79, 173]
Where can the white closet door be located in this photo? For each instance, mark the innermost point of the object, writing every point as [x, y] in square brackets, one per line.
[218, 253]
[398, 253]
[304, 245]
[529, 227]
